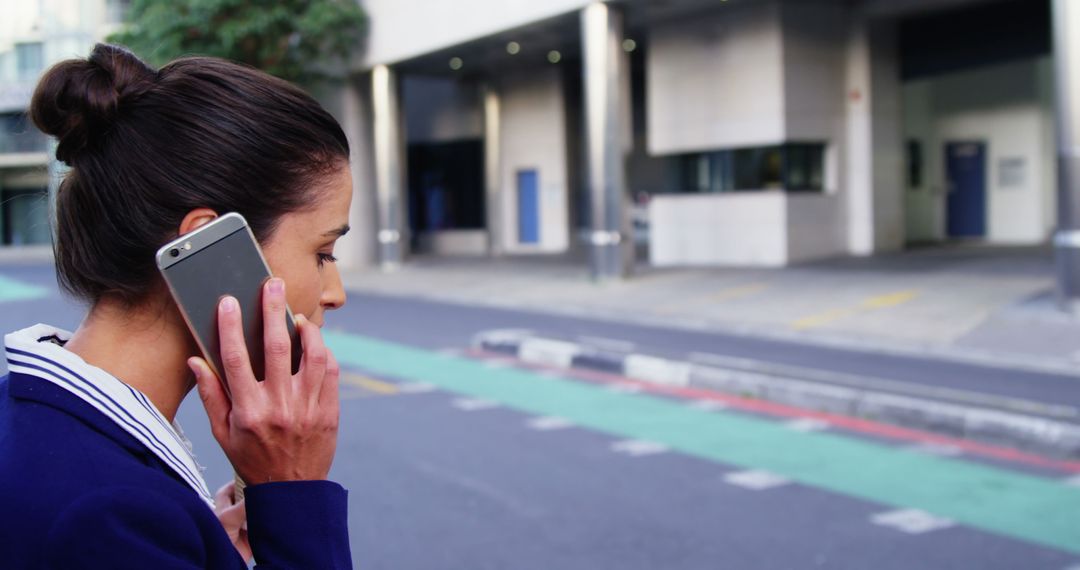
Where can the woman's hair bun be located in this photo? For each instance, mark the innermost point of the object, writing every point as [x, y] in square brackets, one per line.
[79, 99]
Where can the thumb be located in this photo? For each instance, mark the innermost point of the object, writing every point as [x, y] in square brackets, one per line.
[213, 397]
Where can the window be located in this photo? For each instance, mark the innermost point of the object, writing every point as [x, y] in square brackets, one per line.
[914, 164]
[116, 11]
[17, 134]
[794, 167]
[30, 60]
[24, 216]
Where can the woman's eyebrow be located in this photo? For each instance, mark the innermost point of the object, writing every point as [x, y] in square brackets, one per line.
[338, 232]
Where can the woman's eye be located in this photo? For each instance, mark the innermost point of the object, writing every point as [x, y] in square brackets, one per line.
[326, 258]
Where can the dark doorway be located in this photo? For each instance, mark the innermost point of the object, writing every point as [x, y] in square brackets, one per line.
[446, 187]
[965, 172]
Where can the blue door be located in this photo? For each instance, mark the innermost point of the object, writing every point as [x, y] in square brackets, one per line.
[528, 201]
[965, 176]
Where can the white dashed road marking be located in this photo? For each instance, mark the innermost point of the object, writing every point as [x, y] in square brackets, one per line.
[707, 405]
[807, 425]
[474, 404]
[911, 521]
[638, 447]
[416, 388]
[755, 480]
[549, 423]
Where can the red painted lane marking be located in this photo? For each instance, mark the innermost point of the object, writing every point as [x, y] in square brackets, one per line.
[782, 410]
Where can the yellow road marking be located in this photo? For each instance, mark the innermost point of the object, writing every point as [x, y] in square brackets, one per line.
[890, 300]
[821, 319]
[738, 292]
[371, 384]
[879, 302]
[728, 294]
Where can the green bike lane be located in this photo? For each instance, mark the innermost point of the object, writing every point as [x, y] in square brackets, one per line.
[1038, 510]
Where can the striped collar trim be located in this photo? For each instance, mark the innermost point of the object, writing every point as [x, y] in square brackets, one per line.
[29, 352]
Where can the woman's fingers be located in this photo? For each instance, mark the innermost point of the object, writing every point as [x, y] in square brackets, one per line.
[277, 346]
[224, 497]
[234, 353]
[313, 363]
[213, 397]
[328, 395]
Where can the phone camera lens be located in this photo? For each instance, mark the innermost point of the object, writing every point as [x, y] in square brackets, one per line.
[174, 252]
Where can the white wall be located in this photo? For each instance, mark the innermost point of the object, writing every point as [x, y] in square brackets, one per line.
[66, 29]
[350, 104]
[873, 160]
[716, 80]
[815, 227]
[813, 70]
[532, 122]
[749, 75]
[718, 229]
[814, 98]
[441, 110]
[401, 29]
[1007, 107]
[923, 212]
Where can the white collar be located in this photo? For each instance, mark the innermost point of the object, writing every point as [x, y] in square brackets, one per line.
[28, 353]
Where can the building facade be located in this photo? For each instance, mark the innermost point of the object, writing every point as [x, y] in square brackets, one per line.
[682, 132]
[34, 34]
[692, 132]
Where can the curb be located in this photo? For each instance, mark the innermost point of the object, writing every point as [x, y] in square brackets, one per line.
[984, 424]
[1042, 364]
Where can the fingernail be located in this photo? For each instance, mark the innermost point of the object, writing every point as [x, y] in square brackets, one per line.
[276, 286]
[194, 367]
[228, 304]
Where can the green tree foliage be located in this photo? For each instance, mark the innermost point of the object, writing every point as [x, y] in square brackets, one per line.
[298, 40]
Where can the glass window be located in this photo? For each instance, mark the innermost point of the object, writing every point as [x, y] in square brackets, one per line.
[30, 60]
[759, 168]
[17, 134]
[795, 167]
[804, 167]
[25, 216]
[914, 164]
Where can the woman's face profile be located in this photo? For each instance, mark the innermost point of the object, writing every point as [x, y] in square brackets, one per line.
[300, 250]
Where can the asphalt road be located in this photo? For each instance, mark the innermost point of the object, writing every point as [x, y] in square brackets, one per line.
[458, 462]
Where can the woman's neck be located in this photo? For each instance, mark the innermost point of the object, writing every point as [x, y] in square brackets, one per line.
[146, 347]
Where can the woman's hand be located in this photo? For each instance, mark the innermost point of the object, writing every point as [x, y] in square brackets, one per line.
[233, 517]
[285, 427]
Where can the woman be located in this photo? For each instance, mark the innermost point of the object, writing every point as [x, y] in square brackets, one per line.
[92, 471]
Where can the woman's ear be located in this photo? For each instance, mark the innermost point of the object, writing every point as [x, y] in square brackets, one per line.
[195, 219]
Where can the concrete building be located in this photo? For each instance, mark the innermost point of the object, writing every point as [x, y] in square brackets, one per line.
[35, 34]
[672, 132]
[694, 132]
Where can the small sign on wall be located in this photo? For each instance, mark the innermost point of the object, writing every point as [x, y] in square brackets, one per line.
[1012, 172]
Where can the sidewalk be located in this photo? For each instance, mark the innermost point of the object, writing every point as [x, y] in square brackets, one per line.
[971, 303]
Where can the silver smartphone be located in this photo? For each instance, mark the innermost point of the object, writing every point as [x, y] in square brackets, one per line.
[218, 259]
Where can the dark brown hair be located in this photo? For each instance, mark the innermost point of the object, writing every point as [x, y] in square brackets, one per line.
[147, 146]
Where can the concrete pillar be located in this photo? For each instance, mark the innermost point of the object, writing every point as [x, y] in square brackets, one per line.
[391, 197]
[493, 190]
[357, 248]
[1067, 82]
[873, 156]
[605, 73]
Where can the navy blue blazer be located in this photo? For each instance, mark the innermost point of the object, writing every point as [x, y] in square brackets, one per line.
[77, 491]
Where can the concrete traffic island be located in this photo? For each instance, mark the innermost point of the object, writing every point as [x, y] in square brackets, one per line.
[1041, 428]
